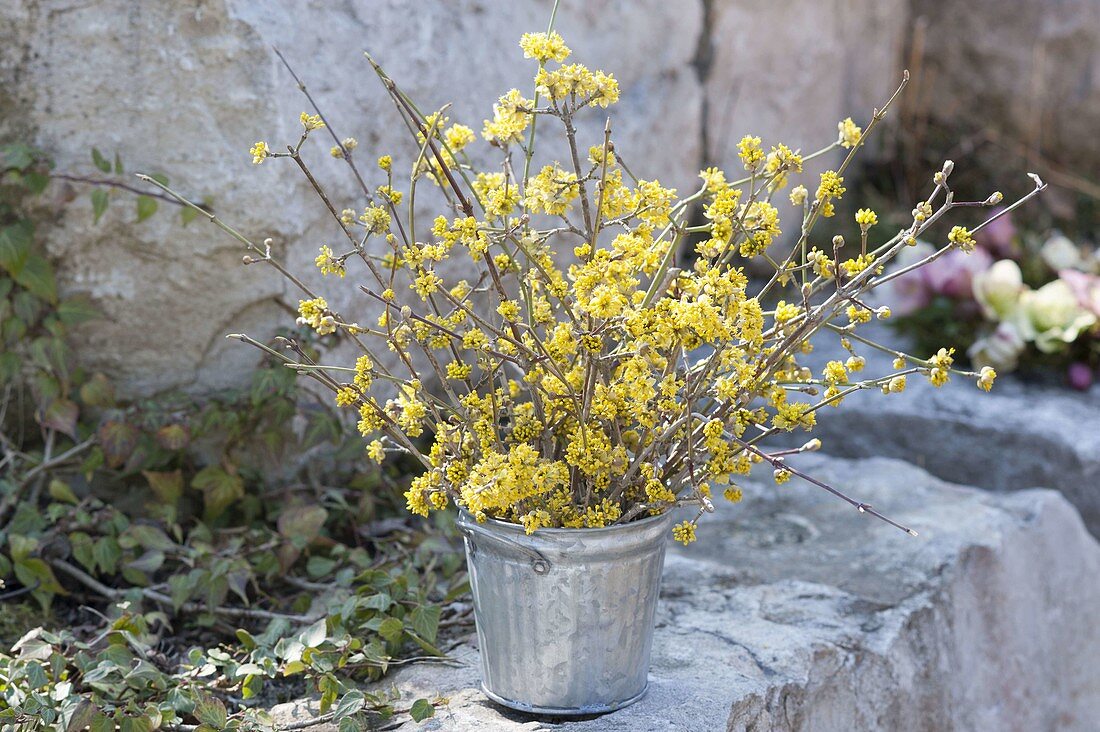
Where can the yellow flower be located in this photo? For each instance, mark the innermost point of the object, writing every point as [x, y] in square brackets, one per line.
[866, 218]
[750, 152]
[511, 116]
[798, 195]
[551, 191]
[961, 237]
[576, 80]
[389, 193]
[509, 310]
[311, 121]
[858, 314]
[850, 133]
[544, 47]
[986, 377]
[733, 494]
[781, 476]
[458, 371]
[426, 283]
[376, 219]
[835, 373]
[831, 187]
[347, 397]
[328, 264]
[259, 152]
[458, 136]
[385, 163]
[684, 532]
[714, 179]
[786, 311]
[375, 451]
[364, 372]
[312, 311]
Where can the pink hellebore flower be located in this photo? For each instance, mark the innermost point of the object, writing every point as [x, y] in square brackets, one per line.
[952, 274]
[1085, 287]
[999, 238]
[1079, 376]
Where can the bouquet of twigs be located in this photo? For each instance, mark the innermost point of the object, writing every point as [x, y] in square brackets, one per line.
[576, 378]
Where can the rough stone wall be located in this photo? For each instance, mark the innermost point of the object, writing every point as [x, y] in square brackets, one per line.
[186, 87]
[1031, 66]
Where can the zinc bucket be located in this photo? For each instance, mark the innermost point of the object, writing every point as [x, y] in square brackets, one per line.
[565, 616]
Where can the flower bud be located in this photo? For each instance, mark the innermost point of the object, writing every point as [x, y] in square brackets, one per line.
[406, 311]
[994, 198]
[948, 166]
[247, 259]
[838, 241]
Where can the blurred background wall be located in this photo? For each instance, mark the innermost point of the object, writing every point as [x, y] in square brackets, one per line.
[185, 87]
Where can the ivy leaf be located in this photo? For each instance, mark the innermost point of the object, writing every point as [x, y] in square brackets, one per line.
[210, 711]
[219, 490]
[107, 552]
[181, 587]
[75, 311]
[301, 525]
[83, 717]
[101, 723]
[118, 441]
[318, 567]
[36, 275]
[35, 572]
[350, 704]
[246, 639]
[147, 536]
[421, 709]
[135, 724]
[166, 486]
[425, 621]
[16, 156]
[391, 629]
[98, 391]
[99, 204]
[146, 207]
[100, 162]
[82, 545]
[252, 685]
[148, 562]
[173, 436]
[15, 245]
[60, 491]
[60, 415]
[315, 634]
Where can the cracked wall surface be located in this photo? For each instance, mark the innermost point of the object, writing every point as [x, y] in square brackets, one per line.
[185, 88]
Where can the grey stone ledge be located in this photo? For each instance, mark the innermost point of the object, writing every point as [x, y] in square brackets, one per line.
[793, 611]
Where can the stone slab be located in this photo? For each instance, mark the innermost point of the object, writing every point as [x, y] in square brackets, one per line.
[1022, 434]
[794, 611]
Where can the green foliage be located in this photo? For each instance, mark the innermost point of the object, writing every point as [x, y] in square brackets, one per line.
[186, 560]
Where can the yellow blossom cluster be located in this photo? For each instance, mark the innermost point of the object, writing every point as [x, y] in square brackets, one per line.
[590, 373]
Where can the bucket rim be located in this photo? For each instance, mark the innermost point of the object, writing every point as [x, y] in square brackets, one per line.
[467, 518]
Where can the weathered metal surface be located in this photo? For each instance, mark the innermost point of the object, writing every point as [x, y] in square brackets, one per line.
[565, 616]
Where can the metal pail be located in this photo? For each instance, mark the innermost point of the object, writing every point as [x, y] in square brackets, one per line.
[565, 616]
